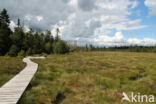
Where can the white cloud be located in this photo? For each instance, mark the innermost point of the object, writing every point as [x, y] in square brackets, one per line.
[116, 40]
[73, 3]
[12, 25]
[119, 40]
[122, 24]
[105, 15]
[134, 41]
[143, 42]
[134, 4]
[77, 19]
[39, 18]
[151, 4]
[51, 11]
[26, 28]
[119, 36]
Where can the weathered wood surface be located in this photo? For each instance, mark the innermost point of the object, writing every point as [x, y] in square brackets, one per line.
[11, 92]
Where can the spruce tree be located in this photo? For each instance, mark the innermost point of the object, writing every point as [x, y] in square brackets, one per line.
[4, 17]
[5, 32]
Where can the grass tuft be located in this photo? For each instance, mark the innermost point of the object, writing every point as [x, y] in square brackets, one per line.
[92, 78]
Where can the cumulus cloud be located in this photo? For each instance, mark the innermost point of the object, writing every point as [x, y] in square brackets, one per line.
[86, 21]
[73, 3]
[143, 42]
[119, 40]
[151, 4]
[37, 14]
[116, 40]
[12, 25]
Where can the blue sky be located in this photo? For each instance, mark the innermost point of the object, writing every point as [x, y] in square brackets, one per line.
[142, 12]
[97, 22]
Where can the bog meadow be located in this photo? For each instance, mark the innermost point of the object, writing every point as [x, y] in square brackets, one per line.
[74, 73]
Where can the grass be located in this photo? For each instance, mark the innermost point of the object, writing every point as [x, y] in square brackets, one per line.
[91, 78]
[9, 67]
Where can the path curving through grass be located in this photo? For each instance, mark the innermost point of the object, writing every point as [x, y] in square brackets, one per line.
[11, 92]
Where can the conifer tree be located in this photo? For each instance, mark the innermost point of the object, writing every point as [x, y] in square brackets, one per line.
[5, 32]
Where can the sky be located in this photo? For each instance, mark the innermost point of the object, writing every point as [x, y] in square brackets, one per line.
[97, 22]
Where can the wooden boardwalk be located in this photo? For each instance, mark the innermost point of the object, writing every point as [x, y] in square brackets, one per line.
[11, 92]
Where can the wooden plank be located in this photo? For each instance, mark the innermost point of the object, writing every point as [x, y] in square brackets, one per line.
[11, 92]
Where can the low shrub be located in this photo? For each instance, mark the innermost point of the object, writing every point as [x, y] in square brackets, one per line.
[61, 47]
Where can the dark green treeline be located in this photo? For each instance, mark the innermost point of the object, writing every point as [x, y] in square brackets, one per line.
[27, 43]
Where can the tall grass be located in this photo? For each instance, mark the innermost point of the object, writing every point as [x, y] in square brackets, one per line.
[9, 67]
[91, 78]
